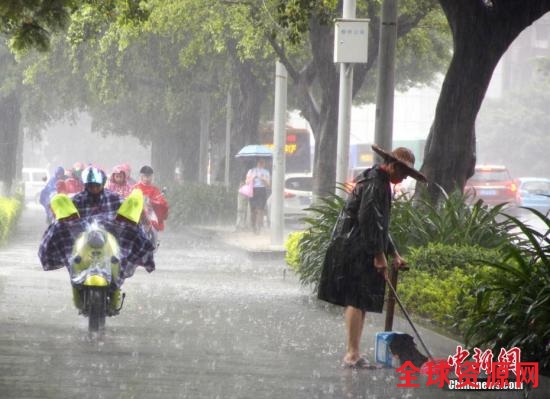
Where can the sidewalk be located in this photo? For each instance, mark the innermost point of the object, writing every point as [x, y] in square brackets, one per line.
[256, 245]
[259, 246]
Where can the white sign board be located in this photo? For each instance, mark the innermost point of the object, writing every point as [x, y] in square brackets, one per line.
[351, 38]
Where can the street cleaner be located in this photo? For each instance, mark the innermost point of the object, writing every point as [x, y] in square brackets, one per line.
[355, 266]
[73, 242]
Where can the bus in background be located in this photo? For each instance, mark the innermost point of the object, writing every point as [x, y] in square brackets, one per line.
[297, 147]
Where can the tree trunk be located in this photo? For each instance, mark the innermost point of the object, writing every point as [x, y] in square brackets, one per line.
[322, 74]
[326, 139]
[246, 116]
[323, 117]
[164, 156]
[10, 115]
[481, 33]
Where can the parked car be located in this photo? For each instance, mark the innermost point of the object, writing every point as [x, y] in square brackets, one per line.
[297, 195]
[34, 180]
[534, 192]
[493, 184]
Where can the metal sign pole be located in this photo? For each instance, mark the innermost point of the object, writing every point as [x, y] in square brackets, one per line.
[344, 106]
[279, 141]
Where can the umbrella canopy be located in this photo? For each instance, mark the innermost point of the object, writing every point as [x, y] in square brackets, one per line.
[254, 150]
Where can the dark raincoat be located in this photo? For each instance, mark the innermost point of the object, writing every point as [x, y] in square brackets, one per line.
[349, 277]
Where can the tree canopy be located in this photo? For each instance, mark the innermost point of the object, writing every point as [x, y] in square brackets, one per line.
[148, 68]
[450, 154]
[421, 38]
[30, 24]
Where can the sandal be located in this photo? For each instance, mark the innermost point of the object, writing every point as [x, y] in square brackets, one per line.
[360, 363]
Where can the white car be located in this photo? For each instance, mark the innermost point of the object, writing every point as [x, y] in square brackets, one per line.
[297, 195]
[35, 180]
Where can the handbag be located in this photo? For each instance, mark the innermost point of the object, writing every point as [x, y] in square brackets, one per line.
[247, 190]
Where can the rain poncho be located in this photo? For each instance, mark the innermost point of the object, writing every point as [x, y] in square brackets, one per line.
[135, 249]
[157, 201]
[124, 188]
[50, 189]
[105, 204]
[63, 207]
[132, 207]
[349, 277]
[58, 240]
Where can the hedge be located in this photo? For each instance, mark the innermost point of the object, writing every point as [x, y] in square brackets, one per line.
[10, 209]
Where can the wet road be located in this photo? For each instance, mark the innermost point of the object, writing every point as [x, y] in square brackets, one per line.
[208, 323]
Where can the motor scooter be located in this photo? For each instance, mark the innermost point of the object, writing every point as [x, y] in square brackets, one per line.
[149, 221]
[95, 264]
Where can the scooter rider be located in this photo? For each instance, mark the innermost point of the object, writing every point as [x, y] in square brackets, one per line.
[94, 199]
[58, 243]
[118, 182]
[154, 195]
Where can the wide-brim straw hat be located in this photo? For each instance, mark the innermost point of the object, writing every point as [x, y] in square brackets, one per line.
[404, 157]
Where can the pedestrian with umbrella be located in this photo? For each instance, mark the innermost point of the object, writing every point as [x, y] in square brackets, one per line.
[260, 179]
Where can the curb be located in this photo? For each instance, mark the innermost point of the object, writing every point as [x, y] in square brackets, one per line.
[259, 252]
[265, 254]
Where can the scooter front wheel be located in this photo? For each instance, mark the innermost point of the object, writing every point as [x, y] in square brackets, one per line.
[97, 305]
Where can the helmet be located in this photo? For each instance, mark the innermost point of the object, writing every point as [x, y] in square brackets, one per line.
[146, 170]
[93, 175]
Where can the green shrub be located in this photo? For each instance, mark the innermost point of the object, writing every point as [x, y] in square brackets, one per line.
[417, 222]
[194, 203]
[440, 280]
[430, 296]
[9, 211]
[437, 256]
[512, 304]
[292, 253]
[414, 223]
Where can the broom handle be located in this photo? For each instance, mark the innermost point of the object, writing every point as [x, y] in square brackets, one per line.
[409, 319]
